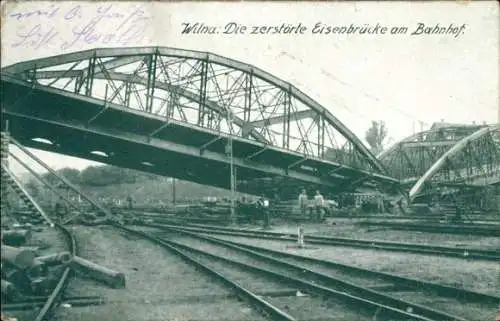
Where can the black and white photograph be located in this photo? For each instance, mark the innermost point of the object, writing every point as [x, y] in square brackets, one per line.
[250, 160]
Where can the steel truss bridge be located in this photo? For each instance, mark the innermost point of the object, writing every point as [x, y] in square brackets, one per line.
[446, 156]
[172, 112]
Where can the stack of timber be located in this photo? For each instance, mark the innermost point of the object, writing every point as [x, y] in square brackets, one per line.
[24, 272]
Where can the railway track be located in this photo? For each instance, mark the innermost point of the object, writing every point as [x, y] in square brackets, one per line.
[364, 219]
[465, 253]
[261, 304]
[248, 279]
[489, 218]
[54, 299]
[325, 287]
[469, 229]
[345, 270]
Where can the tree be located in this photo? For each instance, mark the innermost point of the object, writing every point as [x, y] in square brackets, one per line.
[32, 187]
[375, 136]
[71, 174]
[112, 175]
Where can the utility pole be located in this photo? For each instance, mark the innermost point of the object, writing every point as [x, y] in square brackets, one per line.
[173, 191]
[231, 169]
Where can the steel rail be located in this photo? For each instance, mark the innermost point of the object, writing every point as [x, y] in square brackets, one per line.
[341, 285]
[442, 290]
[465, 253]
[469, 229]
[350, 298]
[75, 302]
[263, 305]
[19, 185]
[55, 297]
[165, 213]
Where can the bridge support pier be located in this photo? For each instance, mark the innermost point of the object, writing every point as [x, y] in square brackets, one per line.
[4, 159]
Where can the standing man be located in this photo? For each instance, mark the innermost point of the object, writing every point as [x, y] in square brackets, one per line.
[319, 204]
[276, 201]
[380, 202]
[129, 202]
[263, 206]
[303, 202]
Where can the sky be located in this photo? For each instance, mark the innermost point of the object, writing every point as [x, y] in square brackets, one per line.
[408, 81]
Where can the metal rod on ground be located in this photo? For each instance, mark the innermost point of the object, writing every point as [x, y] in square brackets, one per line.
[300, 236]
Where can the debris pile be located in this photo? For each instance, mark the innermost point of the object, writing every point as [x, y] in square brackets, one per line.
[27, 218]
[26, 274]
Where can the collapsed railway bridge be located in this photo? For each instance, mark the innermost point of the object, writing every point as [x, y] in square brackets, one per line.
[448, 159]
[188, 115]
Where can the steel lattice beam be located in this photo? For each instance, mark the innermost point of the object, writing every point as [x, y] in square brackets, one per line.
[445, 160]
[445, 155]
[212, 81]
[210, 92]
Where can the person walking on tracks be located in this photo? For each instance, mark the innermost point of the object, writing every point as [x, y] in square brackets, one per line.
[303, 202]
[319, 205]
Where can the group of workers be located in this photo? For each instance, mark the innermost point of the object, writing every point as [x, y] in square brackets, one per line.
[315, 210]
[253, 211]
[261, 205]
[318, 205]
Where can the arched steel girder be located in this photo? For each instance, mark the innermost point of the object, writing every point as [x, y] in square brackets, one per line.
[167, 87]
[122, 56]
[455, 150]
[143, 81]
[408, 159]
[423, 136]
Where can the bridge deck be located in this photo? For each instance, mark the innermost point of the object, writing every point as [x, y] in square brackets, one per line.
[78, 125]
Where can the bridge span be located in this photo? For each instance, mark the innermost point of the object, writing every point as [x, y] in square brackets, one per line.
[182, 113]
[447, 155]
